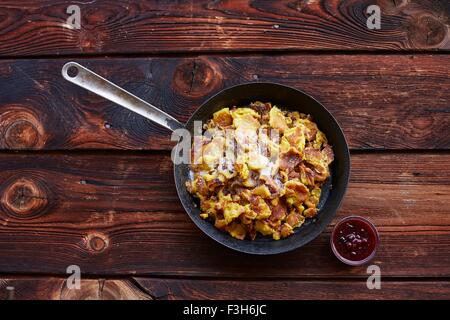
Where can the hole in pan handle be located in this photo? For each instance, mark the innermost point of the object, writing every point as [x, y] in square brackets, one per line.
[91, 81]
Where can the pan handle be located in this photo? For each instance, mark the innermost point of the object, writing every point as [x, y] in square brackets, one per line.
[91, 81]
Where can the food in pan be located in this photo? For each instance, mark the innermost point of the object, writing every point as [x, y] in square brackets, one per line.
[259, 169]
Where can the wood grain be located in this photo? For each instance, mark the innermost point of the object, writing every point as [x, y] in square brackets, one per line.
[116, 213]
[54, 288]
[175, 289]
[381, 101]
[30, 27]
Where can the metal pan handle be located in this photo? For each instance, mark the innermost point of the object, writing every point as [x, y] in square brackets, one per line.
[91, 81]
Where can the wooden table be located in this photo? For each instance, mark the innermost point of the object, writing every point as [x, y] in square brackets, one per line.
[84, 182]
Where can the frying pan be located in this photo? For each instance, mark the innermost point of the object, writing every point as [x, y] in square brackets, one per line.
[287, 98]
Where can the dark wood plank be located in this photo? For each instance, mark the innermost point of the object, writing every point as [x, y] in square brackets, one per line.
[31, 27]
[118, 213]
[381, 101]
[55, 288]
[172, 289]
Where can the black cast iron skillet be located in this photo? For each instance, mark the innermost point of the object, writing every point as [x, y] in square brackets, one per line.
[285, 97]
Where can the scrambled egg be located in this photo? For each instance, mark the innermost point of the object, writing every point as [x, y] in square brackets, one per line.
[272, 181]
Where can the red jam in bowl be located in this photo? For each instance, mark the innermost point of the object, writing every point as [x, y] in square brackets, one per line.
[354, 240]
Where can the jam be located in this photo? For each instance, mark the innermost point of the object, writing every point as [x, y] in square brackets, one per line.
[354, 240]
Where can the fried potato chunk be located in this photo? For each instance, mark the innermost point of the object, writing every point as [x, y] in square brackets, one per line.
[277, 120]
[223, 117]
